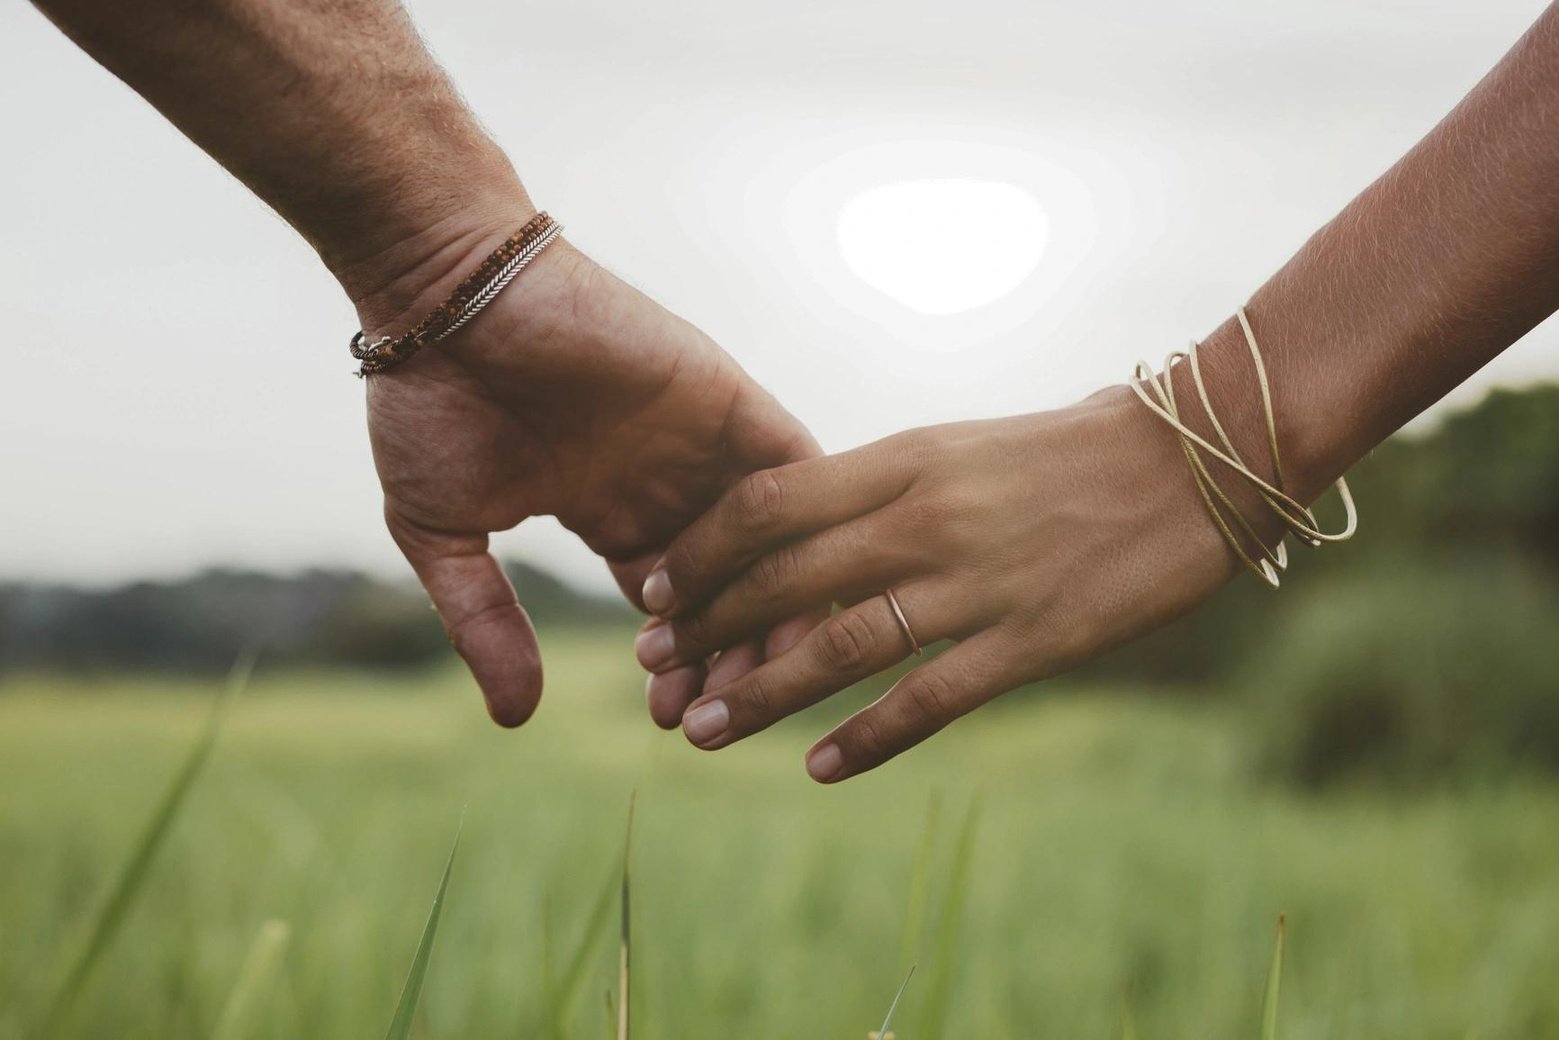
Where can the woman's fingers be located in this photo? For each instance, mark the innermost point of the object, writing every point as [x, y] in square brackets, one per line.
[842, 650]
[835, 565]
[767, 508]
[731, 665]
[919, 705]
[788, 633]
[669, 693]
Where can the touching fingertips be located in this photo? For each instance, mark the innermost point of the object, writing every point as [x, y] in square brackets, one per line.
[659, 598]
[732, 664]
[784, 636]
[826, 764]
[655, 698]
[655, 646]
[707, 723]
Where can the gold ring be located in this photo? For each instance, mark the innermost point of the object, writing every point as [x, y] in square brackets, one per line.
[898, 612]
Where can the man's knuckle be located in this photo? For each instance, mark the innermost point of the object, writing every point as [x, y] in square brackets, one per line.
[776, 572]
[846, 642]
[694, 630]
[680, 565]
[458, 629]
[760, 500]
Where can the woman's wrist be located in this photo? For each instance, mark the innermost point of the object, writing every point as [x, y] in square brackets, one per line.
[1317, 422]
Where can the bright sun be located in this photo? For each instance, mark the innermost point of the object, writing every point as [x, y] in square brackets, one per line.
[943, 246]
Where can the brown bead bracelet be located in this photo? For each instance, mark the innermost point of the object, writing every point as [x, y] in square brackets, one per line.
[468, 299]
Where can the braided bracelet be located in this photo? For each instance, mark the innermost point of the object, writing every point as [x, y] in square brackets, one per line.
[468, 299]
[1294, 516]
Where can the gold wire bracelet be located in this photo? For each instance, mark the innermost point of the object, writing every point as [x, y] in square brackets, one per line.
[1296, 517]
[1213, 496]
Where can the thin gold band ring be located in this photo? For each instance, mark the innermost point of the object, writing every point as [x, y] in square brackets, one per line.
[898, 612]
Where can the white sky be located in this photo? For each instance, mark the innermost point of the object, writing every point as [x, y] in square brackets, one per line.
[186, 399]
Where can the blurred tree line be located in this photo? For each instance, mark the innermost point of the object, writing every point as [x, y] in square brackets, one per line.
[319, 617]
[1429, 645]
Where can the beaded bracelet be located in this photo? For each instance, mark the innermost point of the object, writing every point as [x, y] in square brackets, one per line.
[1294, 516]
[468, 299]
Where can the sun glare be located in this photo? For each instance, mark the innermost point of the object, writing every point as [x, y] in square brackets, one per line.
[945, 246]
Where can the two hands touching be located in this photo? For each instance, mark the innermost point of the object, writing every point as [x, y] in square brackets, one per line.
[1033, 542]
[576, 396]
[572, 395]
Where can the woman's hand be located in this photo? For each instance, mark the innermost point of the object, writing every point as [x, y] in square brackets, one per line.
[1035, 542]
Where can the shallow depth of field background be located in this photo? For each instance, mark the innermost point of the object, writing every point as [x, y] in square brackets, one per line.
[1373, 751]
[1124, 858]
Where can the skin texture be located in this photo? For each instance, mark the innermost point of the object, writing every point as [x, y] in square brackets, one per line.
[571, 395]
[1028, 583]
[1037, 542]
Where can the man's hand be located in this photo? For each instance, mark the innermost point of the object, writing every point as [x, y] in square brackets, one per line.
[573, 395]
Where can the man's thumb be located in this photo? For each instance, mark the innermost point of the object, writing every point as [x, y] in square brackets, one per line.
[481, 615]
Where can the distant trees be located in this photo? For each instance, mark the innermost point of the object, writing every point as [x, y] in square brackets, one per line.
[1428, 644]
[198, 624]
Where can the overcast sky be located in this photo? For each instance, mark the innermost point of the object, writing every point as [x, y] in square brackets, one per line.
[1178, 152]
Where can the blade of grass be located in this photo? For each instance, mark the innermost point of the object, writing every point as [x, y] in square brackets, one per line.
[1128, 1019]
[255, 981]
[920, 886]
[1269, 1001]
[623, 976]
[567, 988]
[949, 924]
[882, 1034]
[549, 975]
[132, 876]
[411, 992]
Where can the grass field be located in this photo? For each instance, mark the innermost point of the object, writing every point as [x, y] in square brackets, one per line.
[1125, 866]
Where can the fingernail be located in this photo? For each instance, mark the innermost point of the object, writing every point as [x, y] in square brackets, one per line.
[826, 763]
[706, 722]
[658, 597]
[655, 646]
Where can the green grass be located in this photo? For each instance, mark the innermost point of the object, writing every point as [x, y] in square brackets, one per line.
[1121, 847]
[249, 1005]
[132, 876]
[1269, 1000]
[411, 991]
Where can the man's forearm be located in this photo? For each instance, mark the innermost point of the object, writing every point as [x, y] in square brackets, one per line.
[1438, 266]
[333, 113]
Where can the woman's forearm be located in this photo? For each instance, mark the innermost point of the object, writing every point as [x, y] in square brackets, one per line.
[335, 114]
[1442, 263]
[1039, 541]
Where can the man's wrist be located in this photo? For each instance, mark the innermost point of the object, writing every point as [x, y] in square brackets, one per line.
[394, 284]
